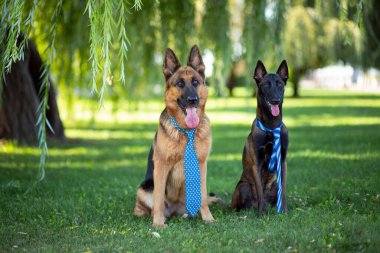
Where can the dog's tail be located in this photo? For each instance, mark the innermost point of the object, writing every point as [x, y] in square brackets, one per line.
[212, 198]
[144, 202]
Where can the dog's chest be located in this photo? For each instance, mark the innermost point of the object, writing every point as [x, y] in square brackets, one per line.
[263, 146]
[268, 178]
[178, 148]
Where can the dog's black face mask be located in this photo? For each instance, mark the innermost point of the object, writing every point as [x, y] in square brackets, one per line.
[189, 97]
[271, 93]
[271, 88]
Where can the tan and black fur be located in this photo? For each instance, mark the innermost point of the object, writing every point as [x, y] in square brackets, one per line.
[257, 186]
[162, 193]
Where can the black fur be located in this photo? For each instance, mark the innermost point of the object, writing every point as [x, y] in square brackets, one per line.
[189, 96]
[148, 183]
[257, 187]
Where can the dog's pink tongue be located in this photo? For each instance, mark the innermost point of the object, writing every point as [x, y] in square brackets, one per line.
[275, 110]
[192, 119]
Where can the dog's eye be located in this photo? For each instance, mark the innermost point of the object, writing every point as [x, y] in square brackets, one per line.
[267, 85]
[195, 82]
[180, 84]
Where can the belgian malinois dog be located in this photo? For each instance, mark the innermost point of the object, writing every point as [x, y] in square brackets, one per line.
[162, 193]
[258, 185]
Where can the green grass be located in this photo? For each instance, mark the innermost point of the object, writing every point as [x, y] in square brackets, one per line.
[86, 201]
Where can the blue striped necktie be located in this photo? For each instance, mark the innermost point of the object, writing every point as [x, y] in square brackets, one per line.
[192, 174]
[275, 158]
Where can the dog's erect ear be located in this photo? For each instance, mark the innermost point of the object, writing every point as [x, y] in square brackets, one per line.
[171, 63]
[283, 71]
[260, 72]
[195, 61]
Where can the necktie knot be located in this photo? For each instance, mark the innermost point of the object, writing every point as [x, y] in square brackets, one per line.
[277, 132]
[190, 133]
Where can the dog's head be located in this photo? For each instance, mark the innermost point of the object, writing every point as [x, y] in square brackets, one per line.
[186, 90]
[270, 92]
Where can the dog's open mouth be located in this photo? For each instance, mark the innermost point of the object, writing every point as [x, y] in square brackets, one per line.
[275, 109]
[191, 119]
[191, 116]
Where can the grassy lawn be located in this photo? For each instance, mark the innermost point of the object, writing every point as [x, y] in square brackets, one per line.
[86, 202]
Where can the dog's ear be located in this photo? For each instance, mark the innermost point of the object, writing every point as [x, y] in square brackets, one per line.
[171, 63]
[283, 71]
[260, 72]
[195, 61]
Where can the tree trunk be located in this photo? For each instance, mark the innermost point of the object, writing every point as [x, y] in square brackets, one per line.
[297, 74]
[230, 84]
[20, 100]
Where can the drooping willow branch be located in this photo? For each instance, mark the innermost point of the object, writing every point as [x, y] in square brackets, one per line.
[42, 121]
[17, 23]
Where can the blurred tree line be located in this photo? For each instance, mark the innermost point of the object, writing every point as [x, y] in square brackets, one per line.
[115, 47]
[106, 42]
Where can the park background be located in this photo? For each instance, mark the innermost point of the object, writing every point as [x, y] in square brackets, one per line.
[99, 85]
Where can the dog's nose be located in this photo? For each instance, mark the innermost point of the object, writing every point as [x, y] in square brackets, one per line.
[276, 101]
[192, 99]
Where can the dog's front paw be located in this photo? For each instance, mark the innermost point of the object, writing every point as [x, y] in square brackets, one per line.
[209, 219]
[207, 216]
[261, 211]
[159, 221]
[160, 225]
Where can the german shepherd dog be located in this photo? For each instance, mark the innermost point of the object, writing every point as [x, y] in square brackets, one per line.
[162, 193]
[257, 185]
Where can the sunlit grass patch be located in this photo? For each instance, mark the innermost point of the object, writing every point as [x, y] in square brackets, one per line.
[331, 155]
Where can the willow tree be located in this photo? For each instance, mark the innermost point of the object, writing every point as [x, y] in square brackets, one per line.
[263, 32]
[371, 38]
[59, 29]
[300, 43]
[177, 26]
[323, 33]
[215, 35]
[342, 41]
[254, 37]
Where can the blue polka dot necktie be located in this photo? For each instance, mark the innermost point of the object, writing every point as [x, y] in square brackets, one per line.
[192, 173]
[275, 158]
